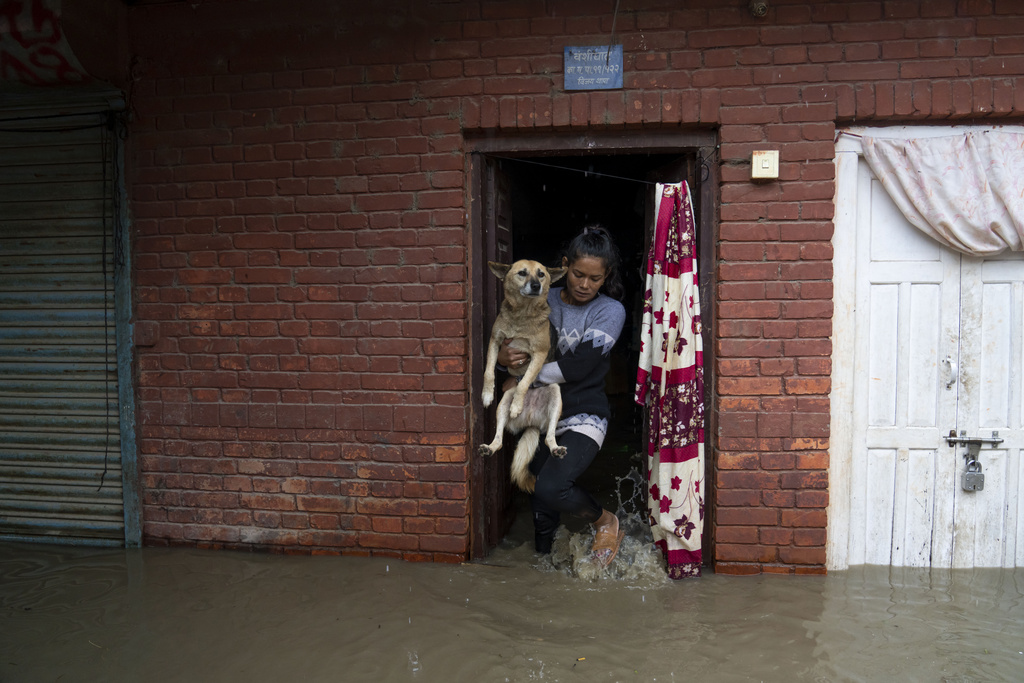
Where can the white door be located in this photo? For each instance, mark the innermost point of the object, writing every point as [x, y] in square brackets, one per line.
[925, 341]
[989, 525]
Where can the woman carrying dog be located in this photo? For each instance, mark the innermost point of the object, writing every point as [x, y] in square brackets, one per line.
[587, 318]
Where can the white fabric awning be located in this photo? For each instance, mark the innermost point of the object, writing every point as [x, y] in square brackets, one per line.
[964, 190]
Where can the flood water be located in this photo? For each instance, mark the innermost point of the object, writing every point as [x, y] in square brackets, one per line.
[74, 614]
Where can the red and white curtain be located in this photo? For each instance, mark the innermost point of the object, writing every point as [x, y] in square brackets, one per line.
[670, 382]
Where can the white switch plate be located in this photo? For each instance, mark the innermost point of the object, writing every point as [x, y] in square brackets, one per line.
[765, 164]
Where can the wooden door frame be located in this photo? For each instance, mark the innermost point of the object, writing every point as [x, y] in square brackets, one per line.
[704, 143]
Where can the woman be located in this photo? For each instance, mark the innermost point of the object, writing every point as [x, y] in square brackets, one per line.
[588, 319]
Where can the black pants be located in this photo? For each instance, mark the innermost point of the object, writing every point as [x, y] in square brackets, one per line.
[557, 491]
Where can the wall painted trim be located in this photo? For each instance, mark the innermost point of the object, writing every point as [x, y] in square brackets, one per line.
[844, 280]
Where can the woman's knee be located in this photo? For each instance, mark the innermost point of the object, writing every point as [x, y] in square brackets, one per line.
[553, 491]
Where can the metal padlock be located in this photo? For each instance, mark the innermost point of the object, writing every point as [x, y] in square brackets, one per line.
[972, 479]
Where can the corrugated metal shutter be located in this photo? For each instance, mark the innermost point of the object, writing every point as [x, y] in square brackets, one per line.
[60, 452]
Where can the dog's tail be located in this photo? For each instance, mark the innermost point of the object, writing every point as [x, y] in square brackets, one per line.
[525, 448]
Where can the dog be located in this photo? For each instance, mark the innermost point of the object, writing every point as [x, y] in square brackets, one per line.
[523, 318]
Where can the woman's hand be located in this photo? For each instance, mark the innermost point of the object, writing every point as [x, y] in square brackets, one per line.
[510, 357]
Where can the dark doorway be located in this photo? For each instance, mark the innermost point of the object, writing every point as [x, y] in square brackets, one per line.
[551, 199]
[528, 206]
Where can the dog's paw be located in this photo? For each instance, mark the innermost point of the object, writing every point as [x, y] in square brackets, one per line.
[559, 452]
[485, 449]
[487, 398]
[517, 407]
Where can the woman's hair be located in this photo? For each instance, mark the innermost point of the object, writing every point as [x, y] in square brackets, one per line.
[594, 240]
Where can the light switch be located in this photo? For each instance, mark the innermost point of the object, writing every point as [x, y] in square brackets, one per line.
[765, 164]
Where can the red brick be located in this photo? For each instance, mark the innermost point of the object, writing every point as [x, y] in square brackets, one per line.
[803, 518]
[736, 534]
[806, 479]
[388, 525]
[445, 508]
[746, 516]
[452, 525]
[813, 385]
[777, 461]
[775, 536]
[322, 504]
[803, 555]
[809, 537]
[326, 522]
[749, 386]
[779, 499]
[729, 552]
[737, 461]
[376, 506]
[811, 460]
[809, 499]
[735, 479]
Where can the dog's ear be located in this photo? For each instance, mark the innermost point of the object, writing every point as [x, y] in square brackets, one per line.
[499, 269]
[557, 274]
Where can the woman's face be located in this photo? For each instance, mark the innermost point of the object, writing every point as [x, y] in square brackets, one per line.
[584, 279]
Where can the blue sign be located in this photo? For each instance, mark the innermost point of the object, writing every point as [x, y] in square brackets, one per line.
[593, 67]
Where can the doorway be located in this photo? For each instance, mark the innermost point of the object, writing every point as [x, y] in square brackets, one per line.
[530, 197]
[927, 341]
[67, 444]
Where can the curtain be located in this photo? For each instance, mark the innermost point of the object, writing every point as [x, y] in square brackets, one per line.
[966, 191]
[670, 382]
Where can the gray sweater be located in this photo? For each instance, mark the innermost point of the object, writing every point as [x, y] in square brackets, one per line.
[586, 335]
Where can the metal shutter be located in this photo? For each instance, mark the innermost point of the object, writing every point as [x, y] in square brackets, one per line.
[60, 446]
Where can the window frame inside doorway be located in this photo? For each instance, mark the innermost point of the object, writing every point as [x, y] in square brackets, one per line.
[703, 144]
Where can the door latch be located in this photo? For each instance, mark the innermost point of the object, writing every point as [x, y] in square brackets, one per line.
[972, 478]
[973, 443]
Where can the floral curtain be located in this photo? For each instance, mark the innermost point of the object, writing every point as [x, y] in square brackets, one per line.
[670, 382]
[966, 191]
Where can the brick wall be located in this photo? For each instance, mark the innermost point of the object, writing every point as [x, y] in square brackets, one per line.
[298, 197]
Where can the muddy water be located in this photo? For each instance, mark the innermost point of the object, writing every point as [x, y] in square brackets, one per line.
[184, 615]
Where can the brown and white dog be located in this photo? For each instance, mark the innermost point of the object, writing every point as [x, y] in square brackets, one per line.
[523, 318]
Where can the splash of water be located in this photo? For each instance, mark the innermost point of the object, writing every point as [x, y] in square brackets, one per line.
[638, 560]
[635, 503]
